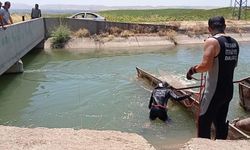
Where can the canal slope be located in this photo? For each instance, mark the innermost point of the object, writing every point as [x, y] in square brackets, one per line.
[139, 41]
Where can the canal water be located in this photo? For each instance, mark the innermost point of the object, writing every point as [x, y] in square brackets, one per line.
[62, 89]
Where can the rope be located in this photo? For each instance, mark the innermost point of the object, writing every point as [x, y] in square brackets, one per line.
[202, 86]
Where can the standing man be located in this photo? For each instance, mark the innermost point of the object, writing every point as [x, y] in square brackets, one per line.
[6, 18]
[36, 12]
[0, 5]
[219, 61]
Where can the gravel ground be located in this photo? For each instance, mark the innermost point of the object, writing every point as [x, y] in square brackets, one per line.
[206, 144]
[15, 138]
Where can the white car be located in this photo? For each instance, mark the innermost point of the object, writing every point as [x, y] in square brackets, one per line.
[88, 16]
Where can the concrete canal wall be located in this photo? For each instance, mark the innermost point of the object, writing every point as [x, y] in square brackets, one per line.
[96, 27]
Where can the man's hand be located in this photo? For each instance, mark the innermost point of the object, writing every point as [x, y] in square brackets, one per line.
[190, 72]
[4, 27]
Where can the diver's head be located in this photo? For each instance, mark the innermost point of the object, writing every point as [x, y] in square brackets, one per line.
[160, 84]
[164, 84]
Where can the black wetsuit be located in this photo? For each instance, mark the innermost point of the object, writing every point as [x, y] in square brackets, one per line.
[219, 90]
[158, 102]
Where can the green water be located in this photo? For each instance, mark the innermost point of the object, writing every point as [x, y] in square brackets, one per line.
[61, 89]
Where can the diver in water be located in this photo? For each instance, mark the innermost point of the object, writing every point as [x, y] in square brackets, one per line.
[159, 99]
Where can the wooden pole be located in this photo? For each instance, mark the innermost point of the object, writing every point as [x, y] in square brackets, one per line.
[189, 87]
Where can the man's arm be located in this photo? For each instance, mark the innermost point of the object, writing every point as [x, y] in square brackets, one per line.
[1, 19]
[1, 22]
[211, 50]
[40, 13]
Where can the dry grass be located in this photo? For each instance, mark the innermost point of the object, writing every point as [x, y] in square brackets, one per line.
[115, 31]
[104, 34]
[176, 24]
[127, 33]
[18, 18]
[138, 29]
[197, 30]
[235, 26]
[170, 34]
[82, 33]
[110, 38]
[162, 33]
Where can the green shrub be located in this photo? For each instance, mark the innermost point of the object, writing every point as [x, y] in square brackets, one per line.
[60, 36]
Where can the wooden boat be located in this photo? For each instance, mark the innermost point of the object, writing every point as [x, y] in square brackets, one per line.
[244, 93]
[191, 103]
[235, 132]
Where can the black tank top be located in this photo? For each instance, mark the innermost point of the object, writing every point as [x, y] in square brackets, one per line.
[228, 58]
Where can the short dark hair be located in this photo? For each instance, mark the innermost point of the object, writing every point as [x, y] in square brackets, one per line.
[7, 3]
[217, 23]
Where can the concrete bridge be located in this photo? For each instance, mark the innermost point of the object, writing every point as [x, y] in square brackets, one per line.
[18, 39]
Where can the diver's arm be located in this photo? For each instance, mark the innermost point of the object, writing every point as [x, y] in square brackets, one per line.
[151, 101]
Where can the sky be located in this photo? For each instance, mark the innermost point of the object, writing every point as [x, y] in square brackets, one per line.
[220, 3]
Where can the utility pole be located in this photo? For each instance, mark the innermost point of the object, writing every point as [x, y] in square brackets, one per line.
[240, 6]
